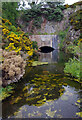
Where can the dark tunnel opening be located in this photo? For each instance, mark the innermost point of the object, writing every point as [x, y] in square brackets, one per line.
[46, 49]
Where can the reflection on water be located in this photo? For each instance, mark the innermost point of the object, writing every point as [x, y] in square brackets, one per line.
[49, 57]
[44, 92]
[45, 57]
[54, 57]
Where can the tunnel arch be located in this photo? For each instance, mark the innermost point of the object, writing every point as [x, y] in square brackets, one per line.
[46, 49]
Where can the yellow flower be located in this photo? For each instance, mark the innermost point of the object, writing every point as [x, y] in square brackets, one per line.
[0, 26]
[71, 20]
[30, 52]
[5, 31]
[18, 49]
[11, 47]
[76, 21]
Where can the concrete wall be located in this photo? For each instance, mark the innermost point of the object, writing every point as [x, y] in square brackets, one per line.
[45, 40]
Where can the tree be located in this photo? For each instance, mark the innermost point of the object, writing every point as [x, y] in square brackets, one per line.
[9, 11]
[34, 5]
[54, 4]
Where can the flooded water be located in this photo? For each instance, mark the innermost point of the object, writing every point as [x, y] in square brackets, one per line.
[44, 91]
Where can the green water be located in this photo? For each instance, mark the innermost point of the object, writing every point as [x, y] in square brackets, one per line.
[44, 91]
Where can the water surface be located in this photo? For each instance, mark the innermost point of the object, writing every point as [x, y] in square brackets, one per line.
[44, 91]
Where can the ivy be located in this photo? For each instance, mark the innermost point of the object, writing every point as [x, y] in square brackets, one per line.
[36, 15]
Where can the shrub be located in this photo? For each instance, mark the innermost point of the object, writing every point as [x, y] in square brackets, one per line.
[61, 7]
[9, 10]
[34, 45]
[75, 20]
[45, 12]
[73, 68]
[62, 35]
[15, 38]
[6, 92]
[13, 66]
[75, 49]
[50, 18]
[36, 15]
[12, 28]
[37, 22]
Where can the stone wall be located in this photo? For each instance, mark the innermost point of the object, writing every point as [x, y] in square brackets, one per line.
[45, 40]
[50, 26]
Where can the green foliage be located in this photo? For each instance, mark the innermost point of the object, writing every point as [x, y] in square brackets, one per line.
[34, 45]
[37, 22]
[6, 92]
[36, 13]
[9, 11]
[12, 28]
[15, 38]
[54, 4]
[45, 12]
[45, 33]
[32, 14]
[62, 35]
[75, 20]
[61, 7]
[53, 14]
[73, 68]
[33, 5]
[73, 49]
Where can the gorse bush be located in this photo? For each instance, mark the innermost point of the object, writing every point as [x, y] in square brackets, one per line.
[12, 28]
[34, 45]
[75, 20]
[73, 68]
[15, 39]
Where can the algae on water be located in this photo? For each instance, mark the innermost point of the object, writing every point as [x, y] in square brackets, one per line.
[35, 63]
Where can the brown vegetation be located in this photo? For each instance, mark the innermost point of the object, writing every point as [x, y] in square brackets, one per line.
[12, 67]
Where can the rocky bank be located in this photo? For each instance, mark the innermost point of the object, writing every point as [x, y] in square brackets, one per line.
[52, 27]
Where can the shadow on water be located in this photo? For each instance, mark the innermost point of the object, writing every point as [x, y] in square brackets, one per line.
[44, 91]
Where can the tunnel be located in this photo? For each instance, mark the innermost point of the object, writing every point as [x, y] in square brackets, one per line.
[46, 49]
